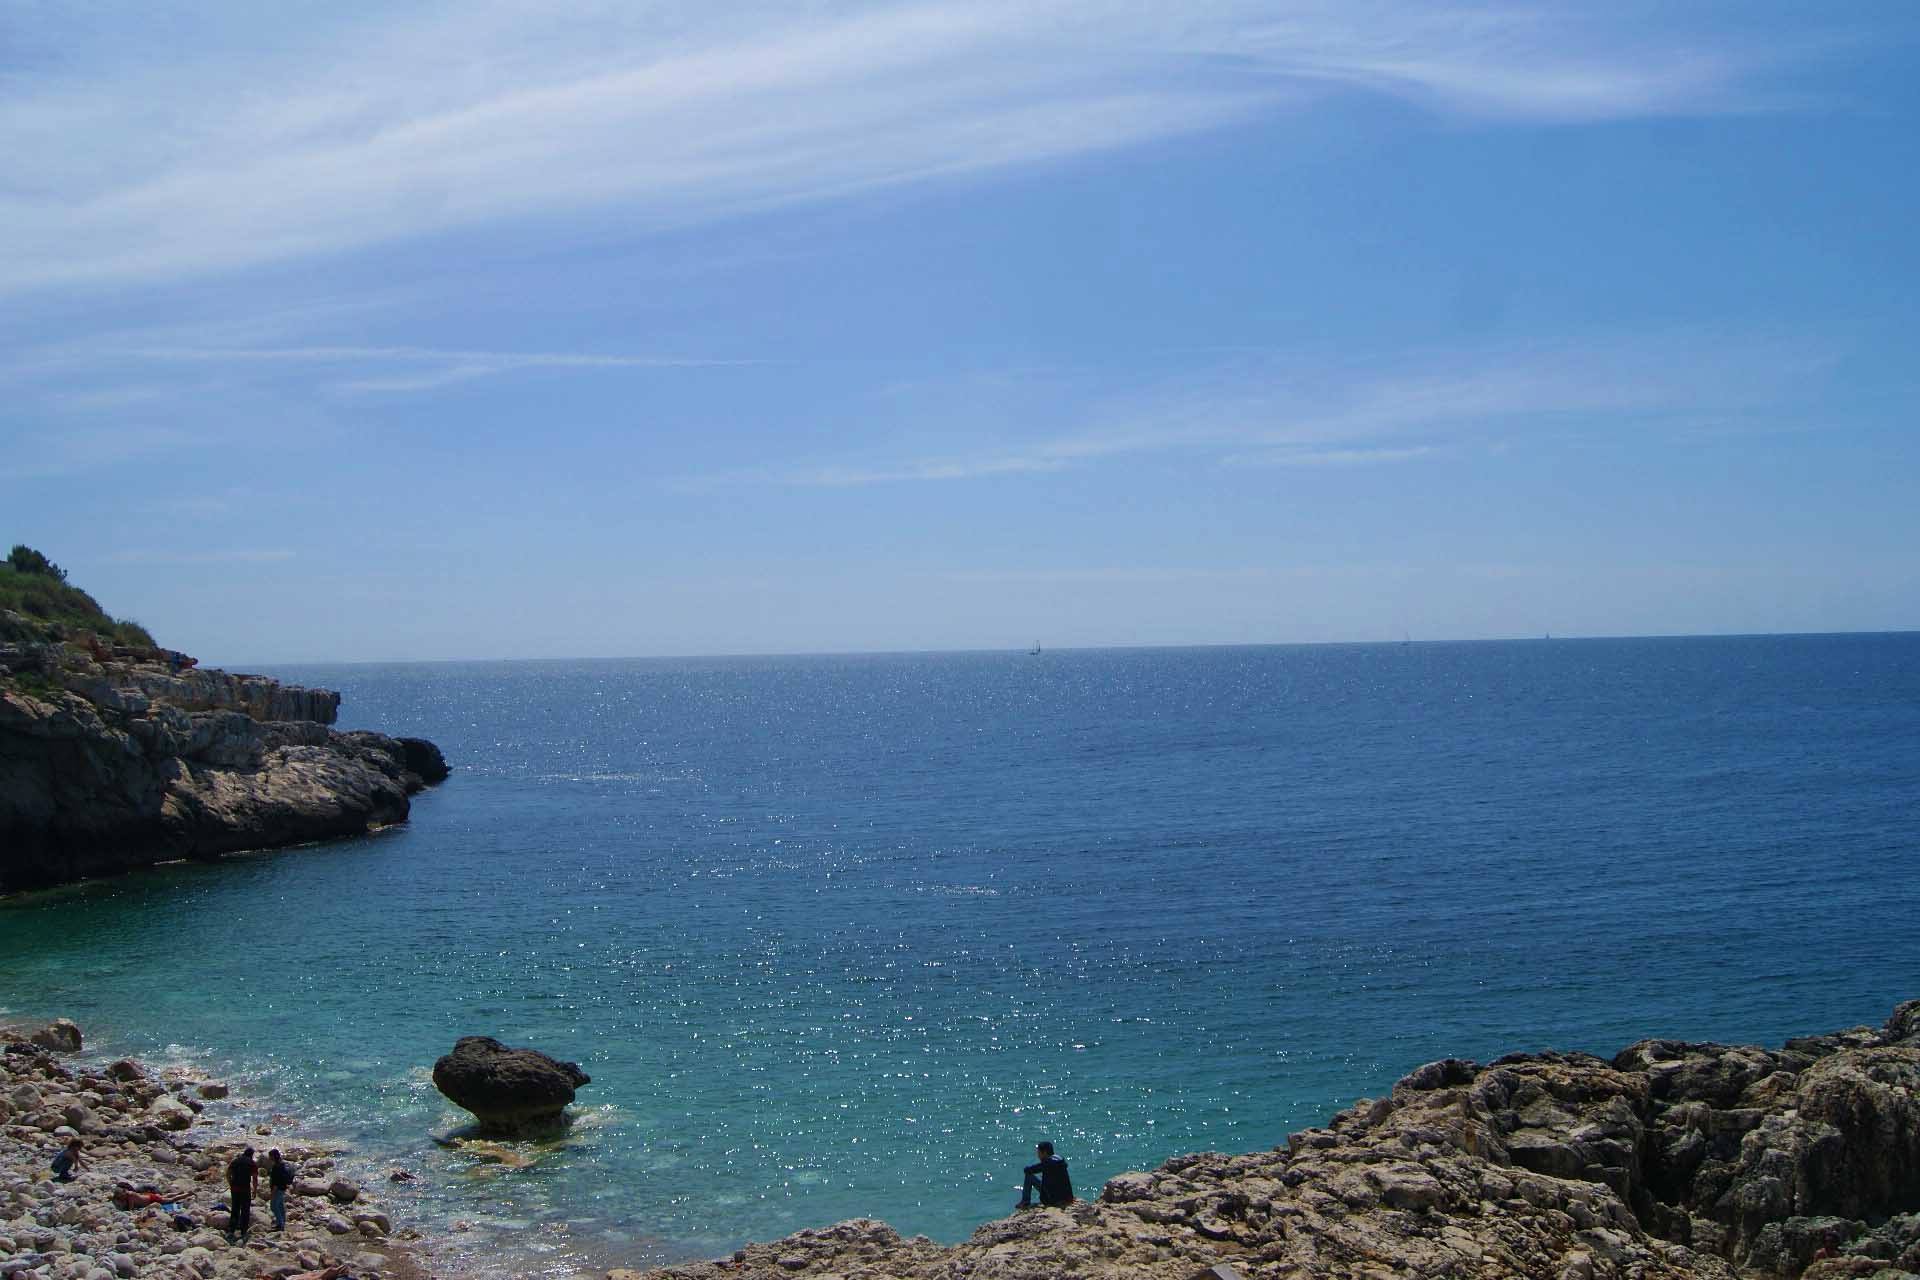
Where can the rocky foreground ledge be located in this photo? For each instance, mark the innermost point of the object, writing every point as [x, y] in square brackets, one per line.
[1672, 1160]
[118, 758]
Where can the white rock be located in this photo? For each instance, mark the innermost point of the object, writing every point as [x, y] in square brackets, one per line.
[200, 1260]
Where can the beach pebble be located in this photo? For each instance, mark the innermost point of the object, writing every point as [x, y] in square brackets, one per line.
[343, 1191]
[336, 1224]
[123, 1265]
[126, 1070]
[170, 1113]
[309, 1187]
[212, 1091]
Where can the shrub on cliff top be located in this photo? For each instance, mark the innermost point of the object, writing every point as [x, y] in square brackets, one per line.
[24, 559]
[50, 609]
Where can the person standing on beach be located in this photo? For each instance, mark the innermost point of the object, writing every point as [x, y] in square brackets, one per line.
[68, 1162]
[1049, 1177]
[243, 1179]
[279, 1178]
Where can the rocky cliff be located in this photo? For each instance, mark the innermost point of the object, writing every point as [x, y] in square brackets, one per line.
[1671, 1160]
[118, 758]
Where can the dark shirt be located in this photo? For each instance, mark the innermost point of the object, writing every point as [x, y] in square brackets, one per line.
[280, 1176]
[63, 1161]
[240, 1171]
[1055, 1190]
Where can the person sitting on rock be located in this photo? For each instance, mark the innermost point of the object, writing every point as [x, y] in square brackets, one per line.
[279, 1178]
[1049, 1177]
[68, 1162]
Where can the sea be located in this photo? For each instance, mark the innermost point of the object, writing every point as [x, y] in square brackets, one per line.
[846, 936]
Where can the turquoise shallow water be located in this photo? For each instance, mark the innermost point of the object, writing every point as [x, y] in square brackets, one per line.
[841, 936]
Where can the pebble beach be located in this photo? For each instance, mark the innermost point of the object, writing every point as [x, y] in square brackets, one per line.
[168, 1133]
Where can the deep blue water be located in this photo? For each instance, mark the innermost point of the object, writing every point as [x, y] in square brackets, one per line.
[846, 935]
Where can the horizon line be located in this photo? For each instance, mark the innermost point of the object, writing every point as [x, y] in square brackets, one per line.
[1025, 650]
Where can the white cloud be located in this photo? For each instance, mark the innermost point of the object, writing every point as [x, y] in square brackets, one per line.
[420, 368]
[1304, 409]
[171, 149]
[1328, 457]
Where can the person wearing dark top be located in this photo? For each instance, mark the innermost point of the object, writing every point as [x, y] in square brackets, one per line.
[67, 1162]
[243, 1178]
[279, 1178]
[1049, 1177]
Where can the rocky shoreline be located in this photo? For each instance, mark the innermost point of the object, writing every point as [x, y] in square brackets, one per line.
[113, 758]
[1671, 1161]
[164, 1133]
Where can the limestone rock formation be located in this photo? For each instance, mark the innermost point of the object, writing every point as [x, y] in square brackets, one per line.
[508, 1090]
[1672, 1160]
[113, 760]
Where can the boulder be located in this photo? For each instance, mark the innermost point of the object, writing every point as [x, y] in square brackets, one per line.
[60, 1035]
[508, 1090]
[170, 1113]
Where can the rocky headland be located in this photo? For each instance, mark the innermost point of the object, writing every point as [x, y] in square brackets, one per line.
[120, 756]
[1672, 1161]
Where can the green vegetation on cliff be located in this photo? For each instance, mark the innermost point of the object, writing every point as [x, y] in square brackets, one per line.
[37, 604]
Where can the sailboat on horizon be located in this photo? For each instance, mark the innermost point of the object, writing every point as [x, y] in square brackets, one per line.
[1035, 651]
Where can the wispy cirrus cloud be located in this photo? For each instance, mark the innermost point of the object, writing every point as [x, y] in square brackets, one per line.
[224, 139]
[1310, 457]
[417, 368]
[1301, 410]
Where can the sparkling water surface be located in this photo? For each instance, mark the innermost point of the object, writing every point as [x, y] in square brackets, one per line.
[842, 936]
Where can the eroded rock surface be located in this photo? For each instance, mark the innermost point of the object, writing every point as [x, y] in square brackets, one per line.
[508, 1090]
[1674, 1159]
[113, 760]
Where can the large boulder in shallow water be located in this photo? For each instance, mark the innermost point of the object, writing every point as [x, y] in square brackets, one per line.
[508, 1090]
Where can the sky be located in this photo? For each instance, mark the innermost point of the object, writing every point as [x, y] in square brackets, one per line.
[505, 330]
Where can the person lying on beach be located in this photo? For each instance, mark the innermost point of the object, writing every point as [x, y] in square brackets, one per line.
[1049, 1178]
[68, 1162]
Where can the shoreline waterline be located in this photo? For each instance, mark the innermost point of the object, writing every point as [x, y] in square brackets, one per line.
[226, 1115]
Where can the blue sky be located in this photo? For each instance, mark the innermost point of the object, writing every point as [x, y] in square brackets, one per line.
[369, 332]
